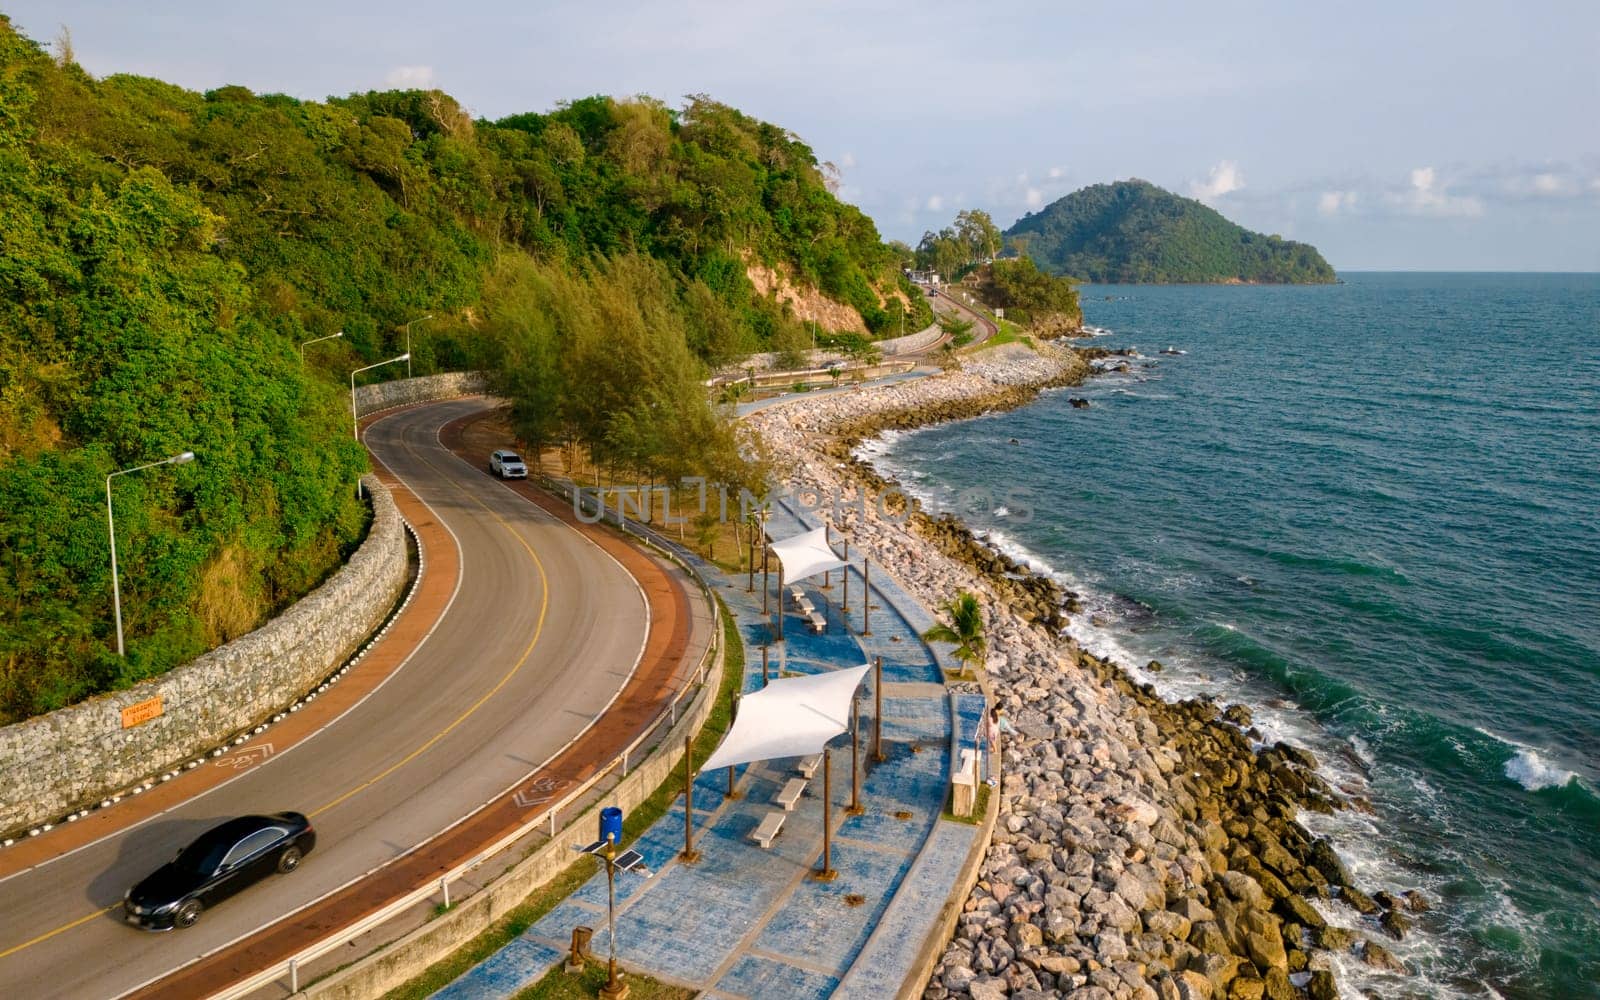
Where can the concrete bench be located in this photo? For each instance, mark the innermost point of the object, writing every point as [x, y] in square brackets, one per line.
[805, 606]
[770, 826]
[818, 623]
[791, 794]
[808, 765]
[797, 595]
[964, 784]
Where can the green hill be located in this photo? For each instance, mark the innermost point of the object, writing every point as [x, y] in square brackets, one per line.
[1134, 232]
[163, 253]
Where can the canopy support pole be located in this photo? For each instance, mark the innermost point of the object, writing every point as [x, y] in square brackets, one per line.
[877, 712]
[826, 872]
[733, 715]
[827, 574]
[844, 605]
[855, 755]
[689, 855]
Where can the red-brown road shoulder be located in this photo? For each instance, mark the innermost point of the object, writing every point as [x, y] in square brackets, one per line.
[652, 685]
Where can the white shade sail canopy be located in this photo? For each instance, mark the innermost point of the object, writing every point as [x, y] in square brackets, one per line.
[790, 717]
[806, 555]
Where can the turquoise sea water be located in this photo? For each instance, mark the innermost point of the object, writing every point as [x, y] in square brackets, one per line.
[1372, 511]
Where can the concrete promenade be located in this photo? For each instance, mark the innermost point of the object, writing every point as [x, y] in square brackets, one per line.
[748, 922]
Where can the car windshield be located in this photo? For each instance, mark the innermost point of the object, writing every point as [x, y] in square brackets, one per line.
[508, 457]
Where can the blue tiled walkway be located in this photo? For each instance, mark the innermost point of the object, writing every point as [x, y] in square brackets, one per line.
[748, 922]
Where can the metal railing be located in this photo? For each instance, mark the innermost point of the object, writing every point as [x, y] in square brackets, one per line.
[666, 719]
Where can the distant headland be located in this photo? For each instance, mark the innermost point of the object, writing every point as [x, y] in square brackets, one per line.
[1134, 232]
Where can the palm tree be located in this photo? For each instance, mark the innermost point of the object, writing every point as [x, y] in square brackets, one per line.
[965, 630]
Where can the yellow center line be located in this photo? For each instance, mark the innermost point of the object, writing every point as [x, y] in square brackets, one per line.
[64, 927]
[538, 630]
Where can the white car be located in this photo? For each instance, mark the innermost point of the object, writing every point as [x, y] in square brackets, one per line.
[507, 465]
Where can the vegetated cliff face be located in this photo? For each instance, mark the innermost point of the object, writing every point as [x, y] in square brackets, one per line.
[168, 252]
[807, 304]
[1134, 232]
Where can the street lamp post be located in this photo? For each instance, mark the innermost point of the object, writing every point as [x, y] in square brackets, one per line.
[419, 319]
[315, 340]
[355, 421]
[111, 530]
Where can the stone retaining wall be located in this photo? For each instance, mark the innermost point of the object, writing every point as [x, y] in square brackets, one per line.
[82, 754]
[912, 343]
[383, 395]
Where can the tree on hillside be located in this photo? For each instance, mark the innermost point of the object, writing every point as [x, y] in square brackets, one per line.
[979, 233]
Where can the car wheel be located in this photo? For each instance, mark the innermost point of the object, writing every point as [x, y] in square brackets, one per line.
[289, 860]
[187, 914]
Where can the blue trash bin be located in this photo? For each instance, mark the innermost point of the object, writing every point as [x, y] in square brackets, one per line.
[611, 824]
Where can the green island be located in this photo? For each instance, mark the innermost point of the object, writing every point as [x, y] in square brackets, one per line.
[1132, 232]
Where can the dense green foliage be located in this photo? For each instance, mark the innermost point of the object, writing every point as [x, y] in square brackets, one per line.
[955, 251]
[1135, 232]
[1029, 296]
[125, 337]
[163, 253]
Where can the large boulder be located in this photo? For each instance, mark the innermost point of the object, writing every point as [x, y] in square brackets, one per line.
[1395, 924]
[1278, 986]
[1327, 861]
[1266, 951]
[1301, 912]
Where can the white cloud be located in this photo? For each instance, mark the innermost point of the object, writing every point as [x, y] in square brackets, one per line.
[935, 203]
[1550, 184]
[847, 161]
[1334, 202]
[1428, 196]
[1225, 177]
[411, 77]
[1034, 198]
[1055, 173]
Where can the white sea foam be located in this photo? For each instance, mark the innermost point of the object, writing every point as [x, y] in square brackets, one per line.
[1533, 772]
[1002, 511]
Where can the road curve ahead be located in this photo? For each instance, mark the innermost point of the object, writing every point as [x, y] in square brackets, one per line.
[541, 632]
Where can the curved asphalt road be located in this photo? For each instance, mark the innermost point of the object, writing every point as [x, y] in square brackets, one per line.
[543, 630]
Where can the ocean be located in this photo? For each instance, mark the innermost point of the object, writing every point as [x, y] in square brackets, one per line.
[1369, 511]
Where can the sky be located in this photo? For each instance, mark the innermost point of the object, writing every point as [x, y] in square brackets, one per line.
[1392, 136]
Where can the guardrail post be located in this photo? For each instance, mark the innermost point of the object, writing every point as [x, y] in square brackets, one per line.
[294, 976]
[444, 886]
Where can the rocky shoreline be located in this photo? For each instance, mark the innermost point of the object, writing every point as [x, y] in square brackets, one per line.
[1144, 849]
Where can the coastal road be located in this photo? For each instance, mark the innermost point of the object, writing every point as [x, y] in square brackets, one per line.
[946, 302]
[541, 632]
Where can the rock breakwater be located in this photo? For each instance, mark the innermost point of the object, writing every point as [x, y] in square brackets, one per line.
[1144, 849]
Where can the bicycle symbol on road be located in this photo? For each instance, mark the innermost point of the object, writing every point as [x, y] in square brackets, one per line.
[246, 758]
[538, 792]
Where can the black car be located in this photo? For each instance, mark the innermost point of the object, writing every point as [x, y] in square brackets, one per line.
[218, 864]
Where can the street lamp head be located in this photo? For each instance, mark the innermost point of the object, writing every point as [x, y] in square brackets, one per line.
[339, 334]
[181, 458]
[404, 357]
